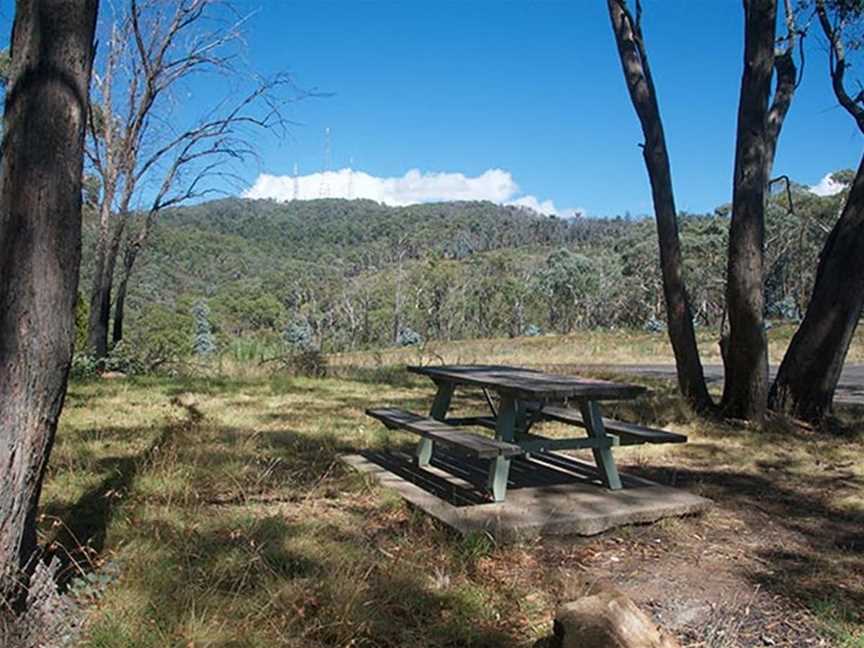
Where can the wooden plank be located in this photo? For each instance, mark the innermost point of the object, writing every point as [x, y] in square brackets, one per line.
[479, 445]
[640, 433]
[483, 421]
[537, 443]
[529, 384]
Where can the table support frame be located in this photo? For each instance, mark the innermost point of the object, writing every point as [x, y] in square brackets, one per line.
[512, 424]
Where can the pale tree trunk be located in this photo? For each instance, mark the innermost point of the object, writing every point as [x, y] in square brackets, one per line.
[745, 392]
[808, 375]
[40, 248]
[100, 296]
[637, 74]
[103, 285]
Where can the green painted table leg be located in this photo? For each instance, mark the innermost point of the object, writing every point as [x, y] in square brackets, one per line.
[505, 424]
[499, 471]
[505, 430]
[602, 456]
[438, 412]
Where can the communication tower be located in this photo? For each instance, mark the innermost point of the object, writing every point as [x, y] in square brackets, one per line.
[324, 189]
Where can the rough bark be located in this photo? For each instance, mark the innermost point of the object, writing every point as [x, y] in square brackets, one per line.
[637, 74]
[808, 375]
[40, 247]
[745, 392]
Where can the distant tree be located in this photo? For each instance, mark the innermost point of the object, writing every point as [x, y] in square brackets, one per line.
[567, 280]
[408, 337]
[40, 242]
[5, 67]
[204, 343]
[298, 335]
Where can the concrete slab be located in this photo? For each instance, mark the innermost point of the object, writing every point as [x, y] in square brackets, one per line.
[550, 494]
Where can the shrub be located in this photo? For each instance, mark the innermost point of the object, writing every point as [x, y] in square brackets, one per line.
[204, 343]
[408, 337]
[310, 363]
[84, 365]
[532, 330]
[298, 335]
[654, 325]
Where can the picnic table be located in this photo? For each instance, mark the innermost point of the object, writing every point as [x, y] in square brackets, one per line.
[525, 398]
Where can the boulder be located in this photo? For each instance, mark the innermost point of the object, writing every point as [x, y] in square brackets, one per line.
[607, 618]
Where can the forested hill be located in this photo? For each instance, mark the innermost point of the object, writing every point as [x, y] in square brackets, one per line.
[361, 232]
[355, 274]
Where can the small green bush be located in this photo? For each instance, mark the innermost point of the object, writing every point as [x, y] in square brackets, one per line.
[310, 363]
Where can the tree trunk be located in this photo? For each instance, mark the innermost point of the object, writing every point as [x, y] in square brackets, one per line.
[637, 74]
[745, 393]
[120, 303]
[40, 249]
[120, 307]
[808, 375]
[103, 285]
[100, 297]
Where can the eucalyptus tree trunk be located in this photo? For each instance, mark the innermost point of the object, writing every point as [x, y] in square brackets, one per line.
[745, 392]
[40, 249]
[120, 304]
[808, 375]
[107, 248]
[637, 74]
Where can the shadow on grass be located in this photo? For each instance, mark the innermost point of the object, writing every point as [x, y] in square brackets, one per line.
[833, 540]
[246, 581]
[81, 528]
[228, 571]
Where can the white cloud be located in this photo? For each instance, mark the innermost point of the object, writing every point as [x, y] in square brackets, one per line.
[827, 187]
[494, 185]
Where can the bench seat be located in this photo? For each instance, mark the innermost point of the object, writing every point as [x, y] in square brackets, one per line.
[479, 445]
[627, 433]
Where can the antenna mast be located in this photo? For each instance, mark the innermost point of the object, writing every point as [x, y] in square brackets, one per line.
[324, 189]
[296, 182]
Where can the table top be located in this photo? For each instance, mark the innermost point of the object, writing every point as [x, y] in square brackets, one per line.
[530, 384]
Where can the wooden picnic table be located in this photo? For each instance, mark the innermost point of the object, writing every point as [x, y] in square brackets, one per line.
[525, 397]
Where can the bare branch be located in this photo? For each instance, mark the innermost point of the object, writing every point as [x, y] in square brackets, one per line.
[837, 64]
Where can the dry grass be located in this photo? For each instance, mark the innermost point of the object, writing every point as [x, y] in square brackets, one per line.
[600, 346]
[223, 505]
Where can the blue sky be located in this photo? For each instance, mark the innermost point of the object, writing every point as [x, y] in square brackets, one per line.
[532, 88]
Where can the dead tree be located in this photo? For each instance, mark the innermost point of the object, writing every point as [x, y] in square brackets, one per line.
[133, 141]
[193, 159]
[40, 248]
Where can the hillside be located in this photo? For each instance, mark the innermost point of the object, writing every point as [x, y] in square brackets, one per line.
[356, 274]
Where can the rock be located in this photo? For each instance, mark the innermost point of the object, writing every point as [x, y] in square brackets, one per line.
[112, 375]
[607, 618]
